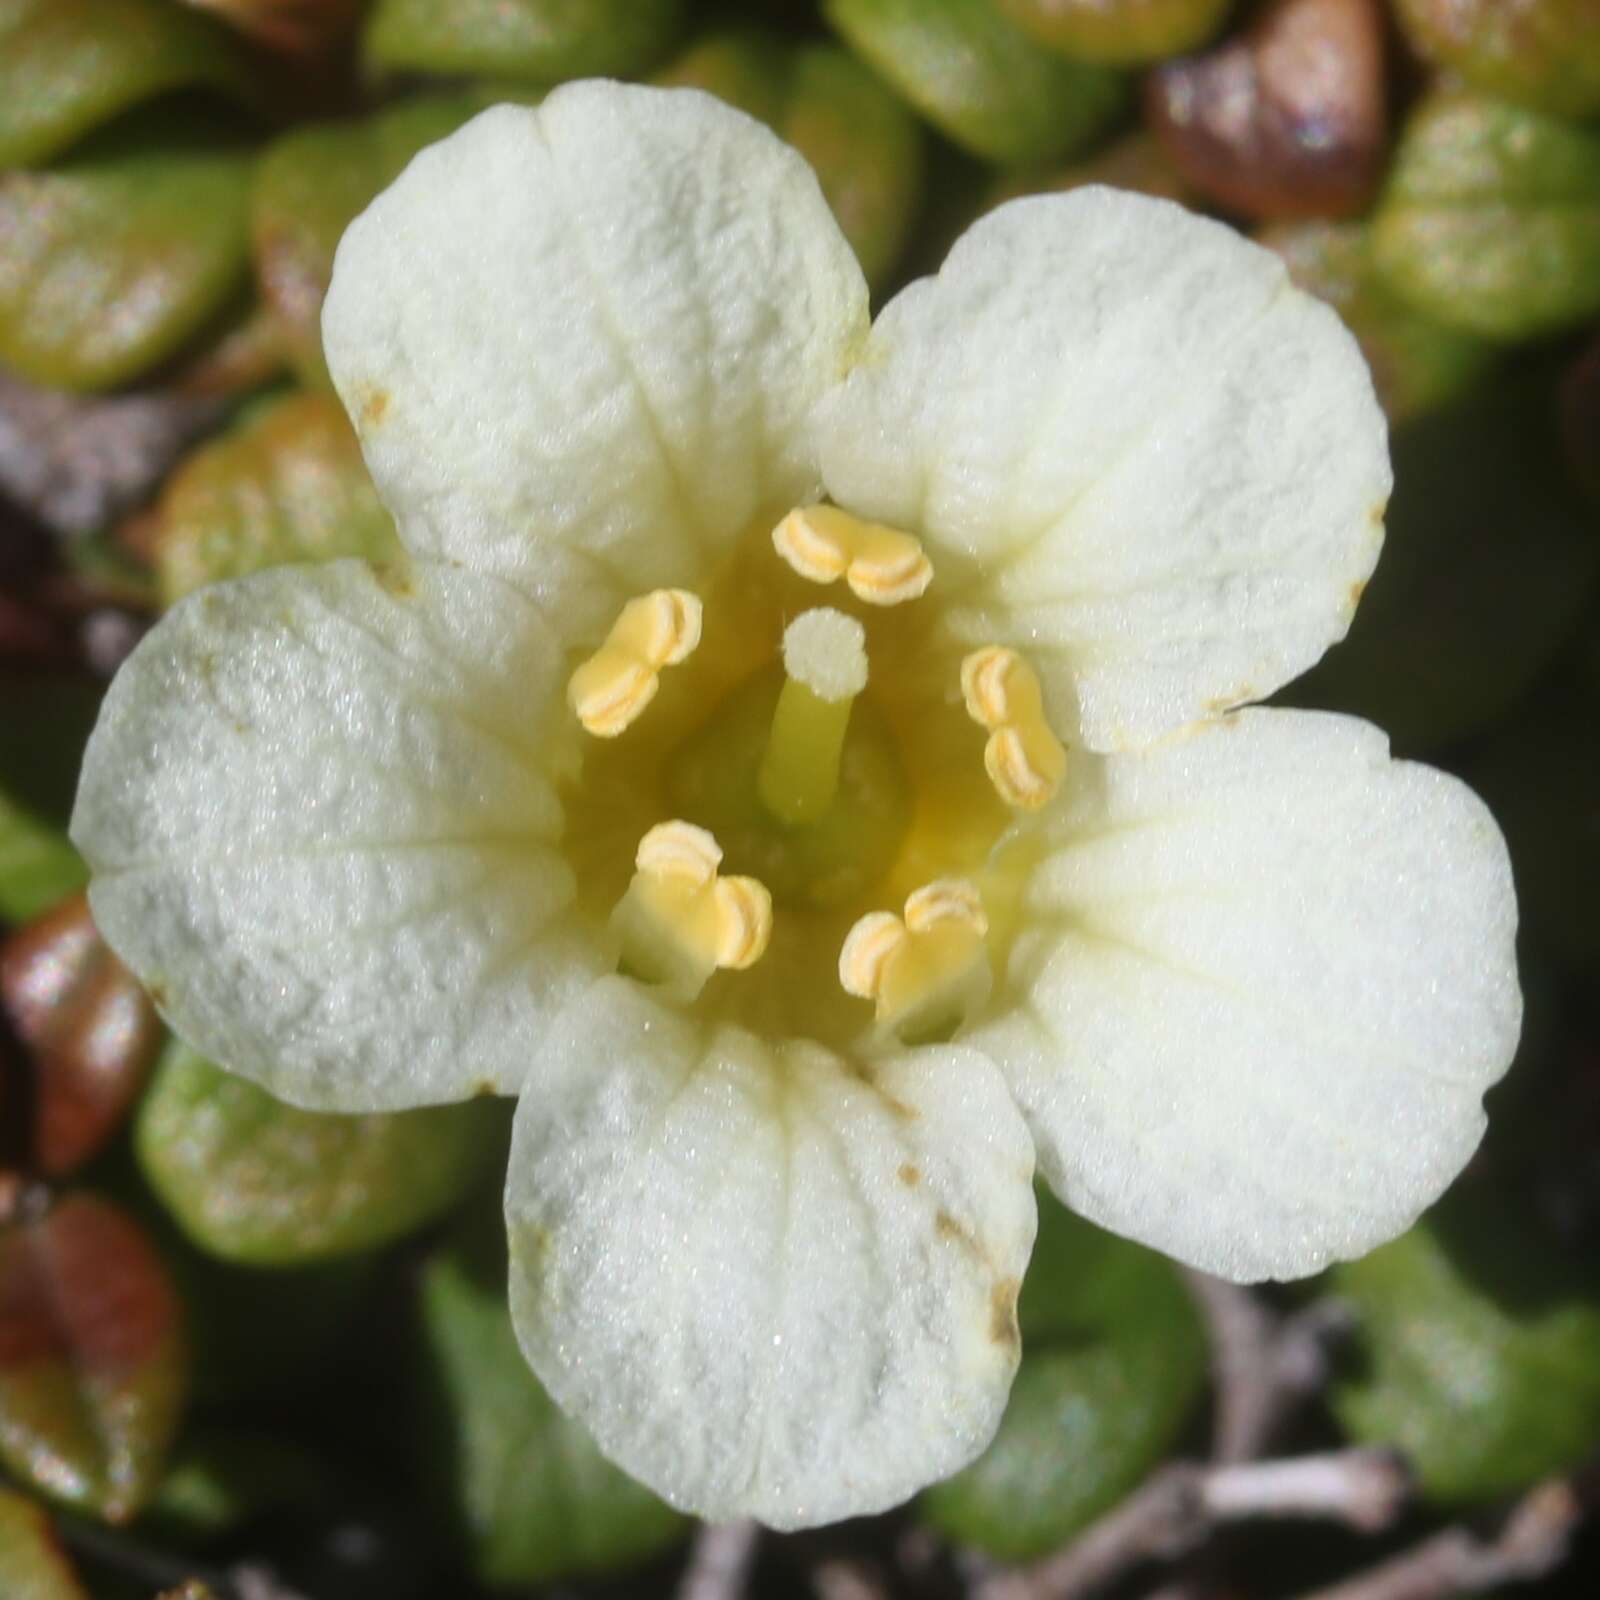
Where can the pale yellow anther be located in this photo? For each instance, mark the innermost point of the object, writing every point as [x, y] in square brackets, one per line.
[620, 679]
[680, 920]
[1024, 759]
[925, 972]
[882, 565]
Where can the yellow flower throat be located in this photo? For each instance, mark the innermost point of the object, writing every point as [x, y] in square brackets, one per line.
[766, 771]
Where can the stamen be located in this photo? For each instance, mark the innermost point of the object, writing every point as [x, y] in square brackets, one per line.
[680, 920]
[928, 972]
[825, 657]
[1024, 759]
[882, 565]
[620, 679]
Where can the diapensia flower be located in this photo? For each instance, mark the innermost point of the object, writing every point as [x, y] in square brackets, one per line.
[798, 756]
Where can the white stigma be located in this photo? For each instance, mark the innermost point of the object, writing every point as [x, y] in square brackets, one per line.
[827, 652]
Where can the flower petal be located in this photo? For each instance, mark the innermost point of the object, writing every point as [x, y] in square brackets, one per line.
[582, 344]
[1136, 452]
[317, 810]
[768, 1282]
[1266, 976]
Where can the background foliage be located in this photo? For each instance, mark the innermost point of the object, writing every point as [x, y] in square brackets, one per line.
[268, 1350]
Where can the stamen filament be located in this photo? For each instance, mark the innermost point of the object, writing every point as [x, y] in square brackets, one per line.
[882, 565]
[927, 973]
[620, 679]
[680, 920]
[824, 655]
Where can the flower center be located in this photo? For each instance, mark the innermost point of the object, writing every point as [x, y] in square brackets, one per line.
[779, 774]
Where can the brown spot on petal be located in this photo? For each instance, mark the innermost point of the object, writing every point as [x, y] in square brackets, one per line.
[947, 1227]
[394, 578]
[910, 1176]
[1286, 119]
[1003, 1329]
[373, 407]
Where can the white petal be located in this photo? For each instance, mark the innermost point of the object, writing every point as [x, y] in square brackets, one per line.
[767, 1282]
[582, 344]
[322, 833]
[1266, 976]
[1145, 457]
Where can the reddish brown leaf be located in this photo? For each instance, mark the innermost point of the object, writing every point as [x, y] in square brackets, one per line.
[296, 27]
[91, 1031]
[1286, 119]
[93, 1359]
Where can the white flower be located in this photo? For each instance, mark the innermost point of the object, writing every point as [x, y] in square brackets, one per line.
[1240, 983]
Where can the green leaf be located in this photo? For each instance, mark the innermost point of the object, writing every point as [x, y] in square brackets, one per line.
[535, 1499]
[979, 78]
[38, 866]
[1417, 364]
[309, 187]
[112, 260]
[864, 145]
[1546, 54]
[1488, 562]
[251, 1179]
[537, 41]
[93, 1357]
[33, 1566]
[66, 66]
[1125, 32]
[1479, 1334]
[1491, 219]
[287, 483]
[1114, 1358]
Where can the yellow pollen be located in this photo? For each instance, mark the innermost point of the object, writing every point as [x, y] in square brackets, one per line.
[680, 919]
[1024, 759]
[620, 679]
[882, 565]
[927, 971]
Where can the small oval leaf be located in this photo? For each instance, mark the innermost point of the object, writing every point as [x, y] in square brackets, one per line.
[251, 1179]
[111, 260]
[90, 1030]
[1545, 53]
[33, 1566]
[979, 79]
[93, 1357]
[1491, 218]
[286, 483]
[535, 1499]
[535, 41]
[1124, 32]
[1114, 1358]
[1479, 1334]
[1285, 120]
[66, 66]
